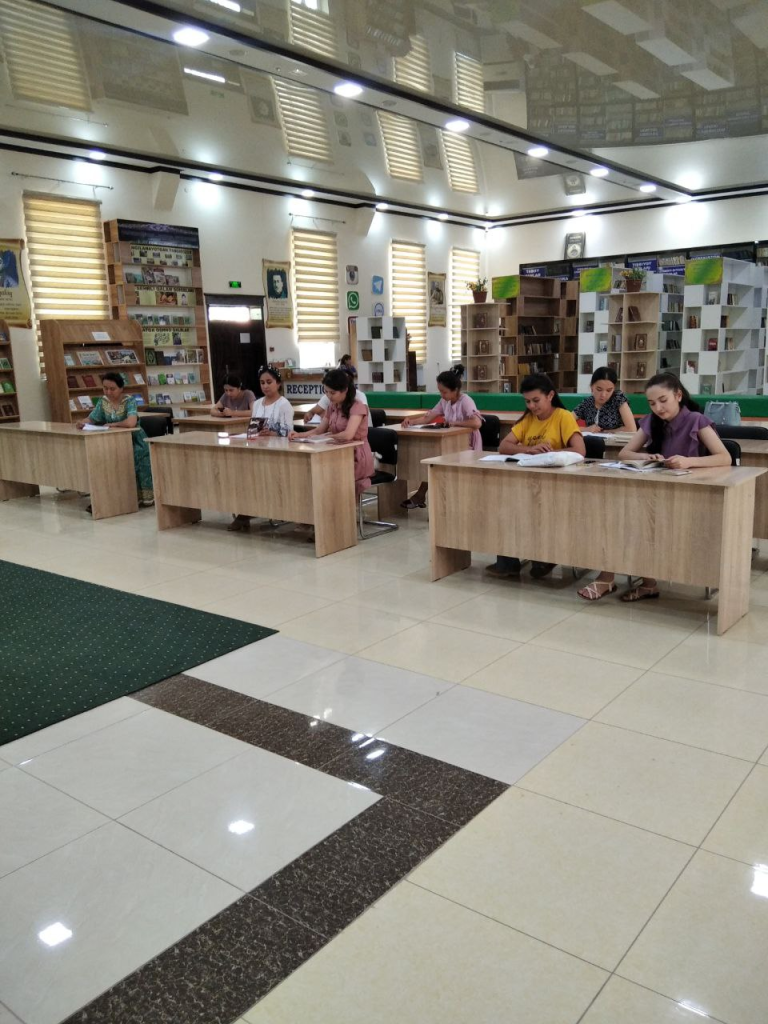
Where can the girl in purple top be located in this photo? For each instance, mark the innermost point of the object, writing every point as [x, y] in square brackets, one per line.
[677, 434]
[457, 410]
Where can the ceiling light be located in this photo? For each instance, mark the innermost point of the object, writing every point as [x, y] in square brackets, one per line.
[97, 154]
[684, 199]
[205, 74]
[229, 4]
[190, 37]
[578, 213]
[54, 934]
[648, 188]
[240, 827]
[599, 172]
[442, 216]
[538, 151]
[348, 89]
[215, 176]
[307, 193]
[381, 207]
[458, 124]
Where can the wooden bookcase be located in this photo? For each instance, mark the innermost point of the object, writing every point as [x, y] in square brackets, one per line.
[76, 355]
[569, 336]
[159, 286]
[532, 334]
[481, 344]
[9, 399]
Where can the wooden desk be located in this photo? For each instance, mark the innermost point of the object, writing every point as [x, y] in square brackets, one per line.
[414, 445]
[695, 529]
[271, 477]
[212, 424]
[60, 455]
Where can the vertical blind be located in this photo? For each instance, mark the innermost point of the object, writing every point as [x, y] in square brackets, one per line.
[401, 146]
[469, 83]
[408, 265]
[460, 159]
[415, 70]
[313, 30]
[316, 290]
[65, 244]
[43, 56]
[304, 126]
[465, 266]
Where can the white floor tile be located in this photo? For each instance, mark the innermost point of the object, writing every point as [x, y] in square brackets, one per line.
[484, 733]
[123, 898]
[417, 958]
[622, 1002]
[125, 765]
[487, 614]
[347, 626]
[338, 581]
[359, 694]
[249, 817]
[742, 831]
[412, 598]
[718, 659]
[266, 605]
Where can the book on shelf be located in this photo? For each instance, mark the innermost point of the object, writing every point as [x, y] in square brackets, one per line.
[150, 357]
[8, 388]
[724, 320]
[138, 379]
[633, 314]
[153, 379]
[5, 364]
[693, 322]
[193, 377]
[589, 326]
[691, 366]
[85, 401]
[90, 357]
[89, 381]
[620, 315]
[713, 298]
[588, 366]
[7, 410]
[729, 343]
[69, 359]
[73, 381]
[72, 405]
[711, 344]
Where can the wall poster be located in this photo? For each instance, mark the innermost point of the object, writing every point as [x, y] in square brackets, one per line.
[276, 276]
[14, 297]
[436, 297]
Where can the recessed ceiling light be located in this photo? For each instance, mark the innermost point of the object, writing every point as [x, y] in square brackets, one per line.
[578, 213]
[215, 176]
[54, 934]
[348, 89]
[538, 151]
[229, 4]
[240, 827]
[381, 207]
[205, 74]
[458, 124]
[442, 216]
[599, 172]
[97, 154]
[684, 199]
[307, 193]
[190, 36]
[648, 188]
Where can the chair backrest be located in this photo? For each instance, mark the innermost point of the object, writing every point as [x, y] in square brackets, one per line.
[159, 410]
[595, 446]
[734, 450]
[490, 431]
[383, 442]
[744, 432]
[155, 425]
[378, 417]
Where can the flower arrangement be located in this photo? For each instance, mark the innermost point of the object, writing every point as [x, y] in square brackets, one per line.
[481, 285]
[633, 274]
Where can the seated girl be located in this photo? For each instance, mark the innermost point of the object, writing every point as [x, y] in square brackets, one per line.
[346, 419]
[458, 410]
[547, 426]
[236, 401]
[607, 408]
[676, 433]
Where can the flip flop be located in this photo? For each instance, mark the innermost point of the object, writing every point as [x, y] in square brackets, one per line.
[636, 594]
[591, 593]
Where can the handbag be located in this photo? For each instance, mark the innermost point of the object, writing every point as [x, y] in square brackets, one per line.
[724, 414]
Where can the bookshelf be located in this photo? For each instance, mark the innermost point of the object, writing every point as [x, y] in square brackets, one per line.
[569, 335]
[645, 331]
[532, 335]
[381, 353]
[78, 352]
[480, 344]
[592, 336]
[9, 399]
[155, 279]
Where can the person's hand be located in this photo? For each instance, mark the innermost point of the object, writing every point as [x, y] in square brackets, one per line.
[307, 415]
[295, 435]
[81, 424]
[593, 429]
[406, 422]
[267, 433]
[678, 462]
[657, 458]
[540, 449]
[228, 412]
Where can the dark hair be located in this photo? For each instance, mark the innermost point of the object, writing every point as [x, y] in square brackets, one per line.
[541, 382]
[273, 372]
[232, 380]
[672, 383]
[347, 358]
[604, 373]
[451, 379]
[340, 380]
[116, 378]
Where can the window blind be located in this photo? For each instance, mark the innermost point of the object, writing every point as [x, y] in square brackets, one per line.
[469, 83]
[43, 56]
[415, 69]
[312, 29]
[304, 126]
[408, 264]
[65, 244]
[401, 146]
[460, 159]
[465, 266]
[316, 295]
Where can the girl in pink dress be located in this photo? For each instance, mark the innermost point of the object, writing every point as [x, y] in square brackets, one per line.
[346, 419]
[457, 410]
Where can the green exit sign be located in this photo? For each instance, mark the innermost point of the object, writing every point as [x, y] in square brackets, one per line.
[235, 284]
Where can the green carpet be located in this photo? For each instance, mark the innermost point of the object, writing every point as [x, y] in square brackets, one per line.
[67, 646]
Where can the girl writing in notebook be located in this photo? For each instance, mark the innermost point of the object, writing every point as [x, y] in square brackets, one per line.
[607, 408]
[456, 409]
[547, 426]
[677, 434]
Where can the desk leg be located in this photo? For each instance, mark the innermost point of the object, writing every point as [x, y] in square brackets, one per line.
[334, 519]
[169, 516]
[390, 496]
[12, 489]
[444, 560]
[735, 556]
[111, 478]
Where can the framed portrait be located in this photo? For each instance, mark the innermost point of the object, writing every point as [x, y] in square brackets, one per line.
[575, 244]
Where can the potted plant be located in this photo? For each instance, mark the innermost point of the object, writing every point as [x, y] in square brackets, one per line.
[633, 277]
[479, 289]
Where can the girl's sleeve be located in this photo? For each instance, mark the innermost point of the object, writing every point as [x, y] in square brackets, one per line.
[96, 415]
[568, 427]
[286, 417]
[469, 409]
[621, 398]
[131, 409]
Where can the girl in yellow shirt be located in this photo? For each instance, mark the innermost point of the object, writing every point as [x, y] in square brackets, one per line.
[547, 426]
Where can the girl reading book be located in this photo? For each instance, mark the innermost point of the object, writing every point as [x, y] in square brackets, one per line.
[547, 426]
[676, 433]
[607, 408]
[456, 409]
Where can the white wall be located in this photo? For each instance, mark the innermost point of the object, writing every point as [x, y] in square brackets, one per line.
[237, 229]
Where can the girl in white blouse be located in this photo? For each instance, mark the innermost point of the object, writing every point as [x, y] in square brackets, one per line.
[275, 410]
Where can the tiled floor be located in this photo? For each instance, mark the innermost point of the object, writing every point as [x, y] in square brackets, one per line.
[418, 802]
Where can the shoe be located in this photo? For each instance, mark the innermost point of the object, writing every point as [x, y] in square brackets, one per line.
[541, 569]
[147, 504]
[503, 570]
[89, 510]
[239, 523]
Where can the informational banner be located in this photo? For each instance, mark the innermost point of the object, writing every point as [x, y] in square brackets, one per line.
[438, 313]
[505, 287]
[704, 271]
[596, 279]
[277, 288]
[14, 297]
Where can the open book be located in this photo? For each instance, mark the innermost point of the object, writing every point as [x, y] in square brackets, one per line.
[633, 465]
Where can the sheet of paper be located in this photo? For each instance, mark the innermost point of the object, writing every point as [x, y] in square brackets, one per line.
[90, 427]
[499, 458]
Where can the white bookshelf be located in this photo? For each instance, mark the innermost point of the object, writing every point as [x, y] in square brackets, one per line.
[381, 353]
[593, 336]
[723, 335]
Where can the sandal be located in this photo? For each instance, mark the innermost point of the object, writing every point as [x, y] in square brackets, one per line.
[591, 592]
[239, 523]
[640, 594]
[410, 504]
